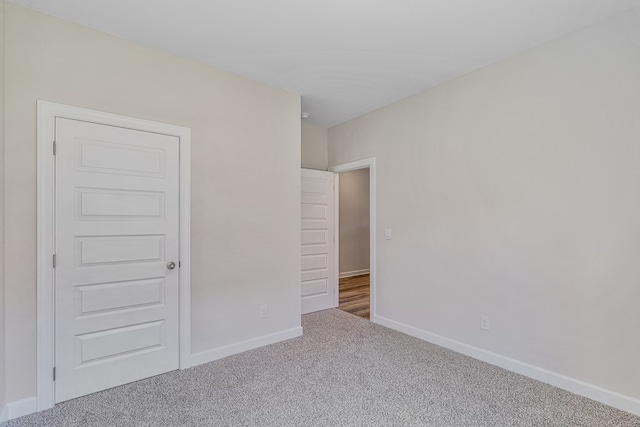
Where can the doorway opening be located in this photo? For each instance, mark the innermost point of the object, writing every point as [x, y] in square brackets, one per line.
[355, 237]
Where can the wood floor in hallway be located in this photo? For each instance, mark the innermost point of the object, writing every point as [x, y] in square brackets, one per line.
[354, 295]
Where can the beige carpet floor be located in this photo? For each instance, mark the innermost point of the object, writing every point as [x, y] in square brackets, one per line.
[344, 371]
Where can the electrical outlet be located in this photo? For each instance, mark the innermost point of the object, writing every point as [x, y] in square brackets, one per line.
[484, 322]
[264, 311]
[387, 234]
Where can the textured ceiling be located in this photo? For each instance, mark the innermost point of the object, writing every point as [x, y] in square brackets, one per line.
[345, 57]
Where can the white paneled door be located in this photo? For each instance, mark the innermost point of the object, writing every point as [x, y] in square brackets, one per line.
[116, 263]
[319, 280]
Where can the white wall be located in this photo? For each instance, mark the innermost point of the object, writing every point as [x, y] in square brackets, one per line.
[245, 176]
[2, 309]
[314, 147]
[354, 221]
[515, 192]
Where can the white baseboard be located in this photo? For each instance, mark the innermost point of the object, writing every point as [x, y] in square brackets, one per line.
[591, 391]
[353, 273]
[242, 346]
[4, 416]
[20, 408]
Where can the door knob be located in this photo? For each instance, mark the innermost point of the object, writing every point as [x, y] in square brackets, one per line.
[171, 265]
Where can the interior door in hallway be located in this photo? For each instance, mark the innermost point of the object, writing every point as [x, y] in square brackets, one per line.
[116, 263]
[318, 285]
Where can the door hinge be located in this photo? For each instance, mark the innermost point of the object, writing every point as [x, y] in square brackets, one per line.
[179, 264]
[54, 373]
[54, 148]
[54, 260]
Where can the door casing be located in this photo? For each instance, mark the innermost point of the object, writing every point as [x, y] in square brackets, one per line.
[47, 113]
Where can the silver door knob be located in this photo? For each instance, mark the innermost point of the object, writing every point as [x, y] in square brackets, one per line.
[171, 265]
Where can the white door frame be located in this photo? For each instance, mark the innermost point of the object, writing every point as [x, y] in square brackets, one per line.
[346, 167]
[47, 114]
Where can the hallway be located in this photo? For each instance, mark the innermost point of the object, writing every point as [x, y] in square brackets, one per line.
[354, 295]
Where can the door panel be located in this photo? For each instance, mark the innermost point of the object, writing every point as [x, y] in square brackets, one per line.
[104, 346]
[95, 203]
[318, 286]
[117, 226]
[108, 297]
